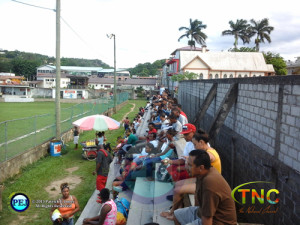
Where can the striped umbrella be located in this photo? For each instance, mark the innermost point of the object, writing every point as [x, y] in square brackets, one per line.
[97, 122]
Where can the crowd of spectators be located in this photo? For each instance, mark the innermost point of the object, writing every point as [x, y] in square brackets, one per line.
[194, 169]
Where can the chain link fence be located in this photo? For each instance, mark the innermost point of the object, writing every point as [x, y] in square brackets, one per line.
[19, 135]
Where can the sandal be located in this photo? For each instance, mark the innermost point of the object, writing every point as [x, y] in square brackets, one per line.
[166, 213]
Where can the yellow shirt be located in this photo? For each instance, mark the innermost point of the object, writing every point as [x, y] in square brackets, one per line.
[217, 162]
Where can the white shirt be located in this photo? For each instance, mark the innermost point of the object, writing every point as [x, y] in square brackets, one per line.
[189, 146]
[182, 119]
[178, 127]
[165, 124]
[155, 144]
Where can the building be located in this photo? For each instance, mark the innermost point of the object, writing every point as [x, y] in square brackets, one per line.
[293, 67]
[14, 86]
[121, 74]
[215, 65]
[108, 83]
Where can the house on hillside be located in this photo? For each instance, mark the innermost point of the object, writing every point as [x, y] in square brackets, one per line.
[216, 65]
[293, 67]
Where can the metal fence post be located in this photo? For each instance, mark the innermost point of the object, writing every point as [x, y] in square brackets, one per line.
[35, 118]
[5, 137]
[72, 112]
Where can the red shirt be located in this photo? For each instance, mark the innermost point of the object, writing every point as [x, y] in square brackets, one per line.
[182, 113]
[152, 131]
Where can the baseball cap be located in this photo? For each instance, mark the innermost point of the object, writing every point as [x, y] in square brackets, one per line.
[188, 128]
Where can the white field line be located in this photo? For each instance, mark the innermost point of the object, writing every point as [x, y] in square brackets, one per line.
[40, 130]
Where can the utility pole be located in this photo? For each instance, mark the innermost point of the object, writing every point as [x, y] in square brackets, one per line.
[57, 86]
[115, 77]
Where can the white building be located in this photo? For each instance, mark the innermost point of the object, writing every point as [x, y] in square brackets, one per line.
[215, 65]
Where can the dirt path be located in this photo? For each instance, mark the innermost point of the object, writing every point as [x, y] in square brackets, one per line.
[133, 106]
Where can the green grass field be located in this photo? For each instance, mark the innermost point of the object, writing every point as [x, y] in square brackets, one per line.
[29, 118]
[36, 177]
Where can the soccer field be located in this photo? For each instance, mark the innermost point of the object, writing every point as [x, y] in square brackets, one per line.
[30, 124]
[17, 110]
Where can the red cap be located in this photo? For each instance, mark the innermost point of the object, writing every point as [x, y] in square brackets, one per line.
[188, 128]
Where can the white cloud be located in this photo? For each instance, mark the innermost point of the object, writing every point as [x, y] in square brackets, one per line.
[145, 30]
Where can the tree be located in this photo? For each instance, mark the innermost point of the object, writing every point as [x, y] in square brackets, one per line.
[239, 30]
[26, 68]
[194, 33]
[185, 76]
[277, 61]
[242, 49]
[262, 30]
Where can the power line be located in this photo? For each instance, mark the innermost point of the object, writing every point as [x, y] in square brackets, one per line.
[73, 30]
[34, 5]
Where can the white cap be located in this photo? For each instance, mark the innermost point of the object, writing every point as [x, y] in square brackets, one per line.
[56, 215]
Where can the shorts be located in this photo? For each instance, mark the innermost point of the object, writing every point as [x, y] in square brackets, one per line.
[100, 182]
[188, 216]
[76, 138]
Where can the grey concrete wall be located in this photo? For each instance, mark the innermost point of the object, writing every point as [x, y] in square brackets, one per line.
[260, 138]
[14, 165]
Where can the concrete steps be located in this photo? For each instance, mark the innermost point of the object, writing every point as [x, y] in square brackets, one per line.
[141, 207]
[161, 191]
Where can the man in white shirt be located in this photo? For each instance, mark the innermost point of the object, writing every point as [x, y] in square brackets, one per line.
[182, 119]
[188, 131]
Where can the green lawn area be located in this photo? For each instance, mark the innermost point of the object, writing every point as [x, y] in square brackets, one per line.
[33, 116]
[36, 177]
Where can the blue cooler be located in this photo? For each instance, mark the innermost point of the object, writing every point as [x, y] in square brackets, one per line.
[55, 148]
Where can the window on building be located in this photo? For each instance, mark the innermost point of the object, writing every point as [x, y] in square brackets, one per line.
[230, 76]
[201, 76]
[119, 78]
[216, 76]
[246, 75]
[254, 75]
[225, 76]
[210, 76]
[240, 75]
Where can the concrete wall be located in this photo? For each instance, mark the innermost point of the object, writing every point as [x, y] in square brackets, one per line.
[14, 165]
[260, 138]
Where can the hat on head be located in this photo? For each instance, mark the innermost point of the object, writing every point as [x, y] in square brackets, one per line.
[188, 128]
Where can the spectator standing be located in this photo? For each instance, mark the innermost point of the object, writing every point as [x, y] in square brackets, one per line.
[103, 161]
[67, 205]
[76, 137]
[126, 123]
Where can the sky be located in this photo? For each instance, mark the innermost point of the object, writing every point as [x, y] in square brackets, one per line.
[145, 30]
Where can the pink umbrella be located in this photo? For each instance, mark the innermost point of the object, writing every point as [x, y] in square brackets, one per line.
[97, 122]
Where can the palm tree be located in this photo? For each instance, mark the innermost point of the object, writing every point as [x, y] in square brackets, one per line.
[194, 33]
[262, 29]
[238, 30]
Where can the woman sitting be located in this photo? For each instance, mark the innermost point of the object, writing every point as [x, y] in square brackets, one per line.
[108, 211]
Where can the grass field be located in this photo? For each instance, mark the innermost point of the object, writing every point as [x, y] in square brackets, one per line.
[36, 177]
[30, 118]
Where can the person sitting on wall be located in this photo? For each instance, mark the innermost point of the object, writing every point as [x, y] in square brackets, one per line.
[214, 204]
[188, 186]
[108, 211]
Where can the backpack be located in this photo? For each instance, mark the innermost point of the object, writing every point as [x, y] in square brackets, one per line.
[162, 174]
